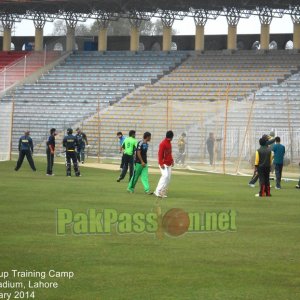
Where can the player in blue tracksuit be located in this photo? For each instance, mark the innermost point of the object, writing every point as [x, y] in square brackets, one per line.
[70, 142]
[82, 141]
[121, 138]
[25, 149]
[279, 151]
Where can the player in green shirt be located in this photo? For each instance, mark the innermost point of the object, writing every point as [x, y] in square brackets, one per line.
[141, 165]
[129, 147]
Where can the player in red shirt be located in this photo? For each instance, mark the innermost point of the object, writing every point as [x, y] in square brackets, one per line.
[166, 162]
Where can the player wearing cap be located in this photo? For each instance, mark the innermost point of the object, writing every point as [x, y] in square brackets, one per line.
[70, 142]
[263, 162]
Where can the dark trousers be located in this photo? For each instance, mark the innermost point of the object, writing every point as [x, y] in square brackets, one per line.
[81, 153]
[264, 181]
[254, 178]
[28, 155]
[278, 173]
[50, 162]
[128, 162]
[211, 156]
[72, 156]
[122, 161]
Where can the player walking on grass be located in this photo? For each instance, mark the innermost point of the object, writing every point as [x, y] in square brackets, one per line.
[25, 149]
[263, 162]
[141, 165]
[166, 162]
[50, 151]
[121, 138]
[279, 151]
[70, 142]
[129, 147]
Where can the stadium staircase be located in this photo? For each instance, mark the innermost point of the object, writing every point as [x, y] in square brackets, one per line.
[86, 81]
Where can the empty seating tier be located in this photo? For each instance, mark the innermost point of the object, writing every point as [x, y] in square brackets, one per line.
[74, 90]
[192, 99]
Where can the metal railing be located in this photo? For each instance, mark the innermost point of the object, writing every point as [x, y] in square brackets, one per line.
[19, 69]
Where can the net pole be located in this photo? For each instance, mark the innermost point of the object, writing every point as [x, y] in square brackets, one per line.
[167, 109]
[201, 138]
[171, 111]
[289, 125]
[217, 109]
[246, 133]
[11, 127]
[225, 128]
[98, 131]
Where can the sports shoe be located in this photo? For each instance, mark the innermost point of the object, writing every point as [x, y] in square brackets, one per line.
[297, 186]
[277, 188]
[251, 185]
[50, 174]
[149, 193]
[118, 180]
[130, 191]
[257, 195]
[157, 195]
[164, 196]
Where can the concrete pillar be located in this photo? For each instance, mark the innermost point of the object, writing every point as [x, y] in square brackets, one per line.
[296, 38]
[134, 38]
[167, 38]
[70, 46]
[199, 38]
[232, 37]
[6, 39]
[102, 39]
[39, 39]
[265, 37]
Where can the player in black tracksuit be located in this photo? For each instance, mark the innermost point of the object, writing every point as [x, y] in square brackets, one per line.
[263, 162]
[25, 149]
[270, 140]
[70, 143]
[50, 148]
[82, 141]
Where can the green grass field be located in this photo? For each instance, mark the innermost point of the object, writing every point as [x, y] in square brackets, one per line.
[260, 260]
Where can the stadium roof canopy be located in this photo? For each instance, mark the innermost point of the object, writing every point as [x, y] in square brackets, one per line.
[121, 6]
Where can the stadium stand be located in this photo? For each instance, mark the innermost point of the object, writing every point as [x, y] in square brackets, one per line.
[16, 67]
[71, 92]
[192, 98]
[9, 57]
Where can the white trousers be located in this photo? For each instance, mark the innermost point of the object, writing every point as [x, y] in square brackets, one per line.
[162, 186]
